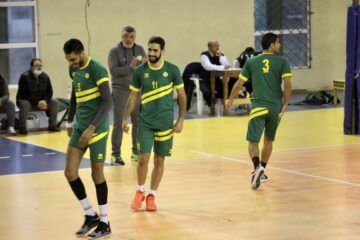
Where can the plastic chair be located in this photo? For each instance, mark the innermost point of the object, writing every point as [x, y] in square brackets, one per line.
[199, 96]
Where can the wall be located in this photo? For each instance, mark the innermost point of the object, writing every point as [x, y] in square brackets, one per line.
[186, 25]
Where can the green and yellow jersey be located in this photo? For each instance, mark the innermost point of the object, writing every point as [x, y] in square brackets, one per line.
[266, 71]
[88, 98]
[156, 86]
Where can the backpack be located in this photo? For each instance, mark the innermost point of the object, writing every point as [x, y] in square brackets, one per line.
[319, 98]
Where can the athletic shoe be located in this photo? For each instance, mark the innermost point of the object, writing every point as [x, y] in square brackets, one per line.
[54, 129]
[264, 178]
[101, 231]
[138, 199]
[89, 223]
[23, 131]
[150, 203]
[116, 160]
[12, 131]
[255, 179]
[134, 157]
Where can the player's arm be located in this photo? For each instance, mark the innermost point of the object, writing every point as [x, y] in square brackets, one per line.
[182, 109]
[130, 106]
[235, 91]
[287, 94]
[105, 95]
[71, 113]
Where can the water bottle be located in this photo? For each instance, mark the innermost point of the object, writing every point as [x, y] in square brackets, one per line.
[219, 108]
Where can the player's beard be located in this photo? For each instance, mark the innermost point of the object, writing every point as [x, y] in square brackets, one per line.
[153, 59]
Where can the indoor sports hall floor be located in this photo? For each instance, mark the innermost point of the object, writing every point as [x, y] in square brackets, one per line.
[313, 191]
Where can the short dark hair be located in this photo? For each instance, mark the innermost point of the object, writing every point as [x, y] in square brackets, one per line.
[129, 29]
[268, 39]
[73, 45]
[158, 40]
[33, 60]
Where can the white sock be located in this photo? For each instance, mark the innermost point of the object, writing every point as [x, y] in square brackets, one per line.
[104, 213]
[85, 203]
[141, 188]
[152, 192]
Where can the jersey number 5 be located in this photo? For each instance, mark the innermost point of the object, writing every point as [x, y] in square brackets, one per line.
[266, 67]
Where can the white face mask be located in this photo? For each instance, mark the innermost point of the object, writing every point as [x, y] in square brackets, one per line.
[37, 72]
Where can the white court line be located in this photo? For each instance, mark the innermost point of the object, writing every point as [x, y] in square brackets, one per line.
[27, 155]
[50, 153]
[284, 170]
[4, 157]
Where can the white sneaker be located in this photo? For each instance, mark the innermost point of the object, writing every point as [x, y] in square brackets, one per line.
[258, 173]
[12, 131]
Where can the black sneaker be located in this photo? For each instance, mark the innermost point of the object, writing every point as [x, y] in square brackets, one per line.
[89, 223]
[54, 129]
[23, 131]
[116, 160]
[101, 231]
[256, 176]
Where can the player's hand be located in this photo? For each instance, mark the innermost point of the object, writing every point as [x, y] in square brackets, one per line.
[125, 126]
[86, 136]
[69, 131]
[228, 105]
[178, 126]
[281, 114]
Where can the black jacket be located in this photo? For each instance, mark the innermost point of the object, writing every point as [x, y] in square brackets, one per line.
[34, 89]
[4, 90]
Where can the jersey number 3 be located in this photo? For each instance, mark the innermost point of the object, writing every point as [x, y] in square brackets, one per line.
[266, 67]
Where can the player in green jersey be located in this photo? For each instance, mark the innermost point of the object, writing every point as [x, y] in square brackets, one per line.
[155, 80]
[91, 101]
[267, 72]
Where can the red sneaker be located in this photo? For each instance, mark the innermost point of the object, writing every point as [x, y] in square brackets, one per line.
[150, 203]
[139, 197]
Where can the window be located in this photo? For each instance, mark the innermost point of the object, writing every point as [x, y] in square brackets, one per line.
[18, 37]
[290, 19]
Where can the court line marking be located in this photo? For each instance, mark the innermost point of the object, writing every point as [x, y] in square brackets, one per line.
[4, 157]
[27, 155]
[283, 170]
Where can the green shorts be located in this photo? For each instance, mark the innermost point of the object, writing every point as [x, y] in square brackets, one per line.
[162, 139]
[97, 144]
[262, 119]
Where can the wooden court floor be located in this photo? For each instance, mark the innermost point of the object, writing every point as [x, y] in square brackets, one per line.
[313, 191]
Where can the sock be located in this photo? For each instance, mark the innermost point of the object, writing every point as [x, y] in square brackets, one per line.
[141, 188]
[104, 213]
[85, 203]
[263, 164]
[102, 194]
[152, 192]
[256, 162]
[78, 188]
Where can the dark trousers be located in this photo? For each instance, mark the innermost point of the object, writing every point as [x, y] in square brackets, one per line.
[8, 107]
[120, 97]
[25, 107]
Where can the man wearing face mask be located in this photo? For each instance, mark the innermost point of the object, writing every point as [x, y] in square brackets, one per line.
[35, 94]
[122, 60]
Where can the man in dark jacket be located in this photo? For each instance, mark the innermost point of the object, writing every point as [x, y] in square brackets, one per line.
[35, 94]
[123, 59]
[6, 105]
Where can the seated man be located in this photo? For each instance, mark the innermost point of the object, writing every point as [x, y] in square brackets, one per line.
[6, 105]
[212, 60]
[35, 94]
